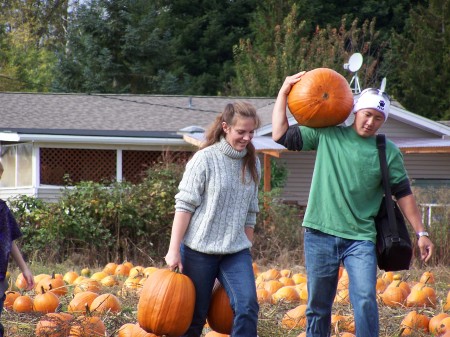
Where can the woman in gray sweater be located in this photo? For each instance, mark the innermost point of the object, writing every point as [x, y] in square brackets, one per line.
[215, 216]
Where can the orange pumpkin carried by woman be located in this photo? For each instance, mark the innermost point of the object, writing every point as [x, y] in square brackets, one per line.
[166, 303]
[220, 314]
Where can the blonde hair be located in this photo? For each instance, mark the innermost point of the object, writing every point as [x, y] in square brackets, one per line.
[229, 115]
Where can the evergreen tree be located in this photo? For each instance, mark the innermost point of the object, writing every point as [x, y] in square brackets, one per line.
[260, 71]
[114, 46]
[419, 62]
[203, 33]
[30, 32]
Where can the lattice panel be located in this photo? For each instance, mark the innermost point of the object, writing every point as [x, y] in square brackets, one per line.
[99, 165]
[79, 164]
[136, 163]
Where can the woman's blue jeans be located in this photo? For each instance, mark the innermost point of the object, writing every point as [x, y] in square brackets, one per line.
[2, 301]
[235, 273]
[323, 255]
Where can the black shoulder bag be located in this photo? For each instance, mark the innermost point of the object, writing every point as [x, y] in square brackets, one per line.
[394, 249]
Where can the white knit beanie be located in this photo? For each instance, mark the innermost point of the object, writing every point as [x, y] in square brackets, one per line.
[373, 99]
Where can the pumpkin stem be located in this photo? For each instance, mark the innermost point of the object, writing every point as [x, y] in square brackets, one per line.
[88, 311]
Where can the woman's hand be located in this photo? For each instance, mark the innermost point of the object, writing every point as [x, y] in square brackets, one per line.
[28, 276]
[173, 260]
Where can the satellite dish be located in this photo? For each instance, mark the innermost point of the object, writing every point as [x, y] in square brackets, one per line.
[354, 64]
[383, 84]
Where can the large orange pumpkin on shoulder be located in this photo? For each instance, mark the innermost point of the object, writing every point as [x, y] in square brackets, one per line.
[166, 303]
[322, 97]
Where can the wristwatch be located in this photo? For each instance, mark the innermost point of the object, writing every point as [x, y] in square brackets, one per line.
[420, 234]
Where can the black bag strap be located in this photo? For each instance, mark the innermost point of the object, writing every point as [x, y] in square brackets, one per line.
[381, 145]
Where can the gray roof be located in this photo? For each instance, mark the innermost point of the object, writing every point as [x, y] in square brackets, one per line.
[117, 115]
[137, 119]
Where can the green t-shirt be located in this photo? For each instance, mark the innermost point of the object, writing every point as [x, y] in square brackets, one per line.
[346, 189]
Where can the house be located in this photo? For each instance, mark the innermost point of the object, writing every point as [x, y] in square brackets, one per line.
[43, 137]
[424, 143]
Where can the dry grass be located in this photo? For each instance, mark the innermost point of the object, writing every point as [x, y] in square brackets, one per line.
[23, 325]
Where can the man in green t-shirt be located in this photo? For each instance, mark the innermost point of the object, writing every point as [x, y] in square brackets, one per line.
[346, 193]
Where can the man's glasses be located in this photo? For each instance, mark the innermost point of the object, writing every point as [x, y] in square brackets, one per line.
[375, 92]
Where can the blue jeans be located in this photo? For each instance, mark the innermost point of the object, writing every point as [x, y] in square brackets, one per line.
[323, 255]
[235, 273]
[2, 300]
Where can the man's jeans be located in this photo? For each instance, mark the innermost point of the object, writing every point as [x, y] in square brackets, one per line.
[235, 273]
[323, 255]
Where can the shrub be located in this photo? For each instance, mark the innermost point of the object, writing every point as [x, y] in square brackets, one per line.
[115, 221]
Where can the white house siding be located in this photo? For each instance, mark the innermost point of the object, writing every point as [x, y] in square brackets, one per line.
[398, 129]
[47, 193]
[394, 128]
[418, 166]
[6, 193]
[300, 167]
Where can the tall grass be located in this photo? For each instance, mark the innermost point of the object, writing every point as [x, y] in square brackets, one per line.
[438, 221]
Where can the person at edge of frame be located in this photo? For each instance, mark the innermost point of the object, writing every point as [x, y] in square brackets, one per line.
[9, 231]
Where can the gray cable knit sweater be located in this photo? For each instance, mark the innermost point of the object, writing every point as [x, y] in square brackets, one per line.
[221, 205]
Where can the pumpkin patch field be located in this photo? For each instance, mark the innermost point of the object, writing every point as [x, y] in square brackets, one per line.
[127, 300]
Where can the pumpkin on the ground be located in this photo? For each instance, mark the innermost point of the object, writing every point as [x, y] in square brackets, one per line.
[23, 303]
[447, 302]
[46, 302]
[286, 294]
[322, 97]
[91, 326]
[55, 284]
[423, 296]
[133, 330]
[80, 301]
[435, 321]
[394, 296]
[344, 323]
[10, 298]
[415, 322]
[295, 318]
[54, 325]
[110, 268]
[88, 284]
[21, 283]
[105, 303]
[99, 275]
[70, 277]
